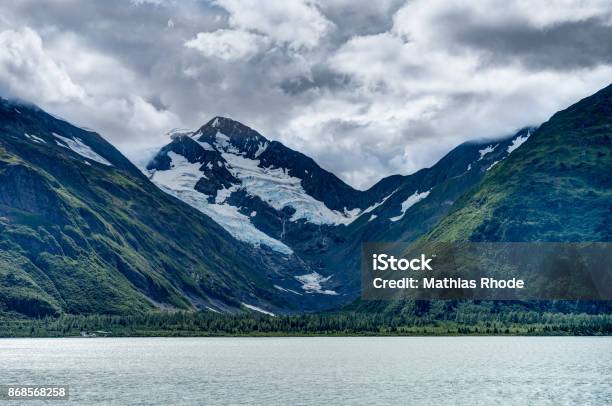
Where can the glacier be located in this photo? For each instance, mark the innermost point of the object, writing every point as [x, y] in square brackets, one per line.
[311, 283]
[279, 189]
[180, 182]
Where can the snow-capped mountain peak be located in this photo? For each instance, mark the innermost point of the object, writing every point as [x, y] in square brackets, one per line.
[228, 135]
[237, 176]
[269, 195]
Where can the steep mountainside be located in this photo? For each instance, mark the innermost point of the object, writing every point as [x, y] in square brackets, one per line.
[557, 187]
[419, 201]
[264, 193]
[239, 174]
[260, 191]
[242, 222]
[83, 231]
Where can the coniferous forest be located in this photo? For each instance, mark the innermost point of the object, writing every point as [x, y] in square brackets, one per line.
[413, 318]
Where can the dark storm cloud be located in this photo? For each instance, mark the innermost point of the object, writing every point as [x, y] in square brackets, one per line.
[137, 34]
[320, 78]
[563, 46]
[360, 18]
[366, 88]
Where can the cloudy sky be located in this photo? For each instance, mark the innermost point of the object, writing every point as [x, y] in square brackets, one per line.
[366, 88]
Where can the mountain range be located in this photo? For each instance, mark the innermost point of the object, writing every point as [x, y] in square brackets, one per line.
[224, 219]
[266, 194]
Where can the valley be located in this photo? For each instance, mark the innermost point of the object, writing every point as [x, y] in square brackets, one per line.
[225, 220]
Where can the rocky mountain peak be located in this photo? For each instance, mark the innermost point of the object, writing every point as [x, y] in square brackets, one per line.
[235, 130]
[230, 136]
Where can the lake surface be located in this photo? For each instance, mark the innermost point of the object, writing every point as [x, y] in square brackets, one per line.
[315, 371]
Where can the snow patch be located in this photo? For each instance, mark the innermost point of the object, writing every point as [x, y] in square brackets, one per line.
[311, 283]
[261, 148]
[34, 138]
[376, 205]
[287, 290]
[222, 140]
[517, 142]
[206, 146]
[493, 164]
[258, 309]
[486, 151]
[80, 148]
[411, 201]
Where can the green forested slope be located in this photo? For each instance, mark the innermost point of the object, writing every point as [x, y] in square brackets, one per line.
[79, 236]
[556, 187]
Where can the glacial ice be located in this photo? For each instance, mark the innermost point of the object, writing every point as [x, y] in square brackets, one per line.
[279, 189]
[311, 283]
[180, 182]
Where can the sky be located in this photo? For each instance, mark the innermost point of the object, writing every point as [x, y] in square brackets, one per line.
[366, 88]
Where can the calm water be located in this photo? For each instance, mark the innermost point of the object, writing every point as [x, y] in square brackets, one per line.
[315, 371]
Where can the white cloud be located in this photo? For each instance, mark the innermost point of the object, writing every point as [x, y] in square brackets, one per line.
[416, 17]
[144, 117]
[544, 13]
[28, 72]
[84, 86]
[228, 45]
[297, 23]
[367, 89]
[418, 92]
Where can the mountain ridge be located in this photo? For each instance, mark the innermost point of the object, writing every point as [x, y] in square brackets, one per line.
[82, 230]
[246, 174]
[564, 176]
[236, 222]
